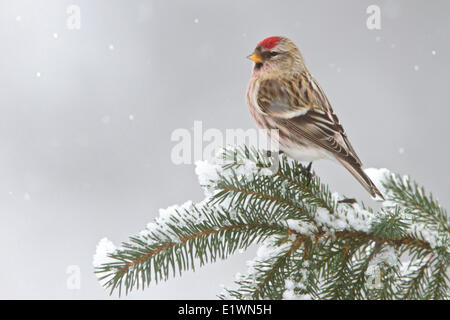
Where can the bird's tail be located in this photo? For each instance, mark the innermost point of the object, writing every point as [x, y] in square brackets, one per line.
[362, 178]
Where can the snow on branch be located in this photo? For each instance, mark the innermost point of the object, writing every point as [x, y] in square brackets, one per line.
[314, 244]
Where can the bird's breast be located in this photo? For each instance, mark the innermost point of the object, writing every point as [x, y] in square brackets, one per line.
[252, 104]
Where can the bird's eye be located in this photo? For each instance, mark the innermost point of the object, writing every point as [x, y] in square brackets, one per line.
[273, 53]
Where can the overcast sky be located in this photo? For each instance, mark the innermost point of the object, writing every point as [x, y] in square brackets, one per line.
[86, 115]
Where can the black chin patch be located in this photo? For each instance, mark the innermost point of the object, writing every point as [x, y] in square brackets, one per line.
[258, 65]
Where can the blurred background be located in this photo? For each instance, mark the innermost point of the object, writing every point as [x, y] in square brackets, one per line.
[86, 116]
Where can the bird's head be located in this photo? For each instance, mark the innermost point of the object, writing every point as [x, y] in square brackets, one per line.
[276, 54]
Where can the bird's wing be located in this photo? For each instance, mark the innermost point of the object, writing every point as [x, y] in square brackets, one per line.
[298, 104]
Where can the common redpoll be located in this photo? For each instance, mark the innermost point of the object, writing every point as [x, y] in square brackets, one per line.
[283, 95]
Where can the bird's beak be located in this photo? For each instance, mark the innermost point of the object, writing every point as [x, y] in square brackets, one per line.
[255, 57]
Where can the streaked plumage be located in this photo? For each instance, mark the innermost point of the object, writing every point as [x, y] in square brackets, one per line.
[283, 95]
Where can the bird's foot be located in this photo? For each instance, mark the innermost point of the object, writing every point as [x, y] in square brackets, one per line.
[269, 153]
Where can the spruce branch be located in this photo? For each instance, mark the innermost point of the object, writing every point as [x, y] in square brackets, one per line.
[313, 245]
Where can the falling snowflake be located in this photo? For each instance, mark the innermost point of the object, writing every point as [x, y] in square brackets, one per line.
[111, 47]
[196, 20]
[433, 52]
[38, 74]
[55, 35]
[416, 68]
[106, 119]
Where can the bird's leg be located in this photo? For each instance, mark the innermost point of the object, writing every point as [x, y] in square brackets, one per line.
[308, 173]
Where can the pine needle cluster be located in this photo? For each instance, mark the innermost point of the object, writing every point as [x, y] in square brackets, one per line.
[314, 244]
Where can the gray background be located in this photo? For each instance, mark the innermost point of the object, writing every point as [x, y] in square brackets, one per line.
[74, 168]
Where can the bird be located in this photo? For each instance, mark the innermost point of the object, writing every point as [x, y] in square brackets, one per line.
[283, 95]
